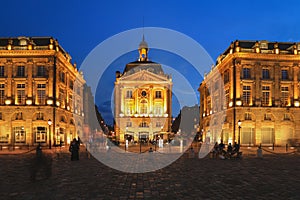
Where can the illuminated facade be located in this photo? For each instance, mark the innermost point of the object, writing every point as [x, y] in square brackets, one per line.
[259, 85]
[38, 84]
[143, 94]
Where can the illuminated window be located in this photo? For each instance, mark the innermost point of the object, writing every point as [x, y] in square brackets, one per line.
[284, 96]
[157, 94]
[265, 95]
[267, 135]
[41, 94]
[21, 94]
[246, 73]
[41, 71]
[1, 71]
[20, 134]
[143, 107]
[71, 101]
[246, 94]
[21, 71]
[2, 94]
[284, 75]
[40, 133]
[3, 135]
[266, 74]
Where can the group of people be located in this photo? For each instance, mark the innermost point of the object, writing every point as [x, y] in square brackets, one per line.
[74, 149]
[219, 150]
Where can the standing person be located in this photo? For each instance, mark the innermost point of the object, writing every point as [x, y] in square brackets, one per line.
[74, 149]
[229, 150]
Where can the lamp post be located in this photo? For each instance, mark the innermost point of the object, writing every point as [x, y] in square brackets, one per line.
[49, 123]
[239, 124]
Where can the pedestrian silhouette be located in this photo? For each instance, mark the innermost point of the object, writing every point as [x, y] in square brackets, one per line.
[74, 149]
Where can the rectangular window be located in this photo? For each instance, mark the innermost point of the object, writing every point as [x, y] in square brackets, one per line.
[3, 135]
[41, 94]
[157, 94]
[19, 116]
[40, 134]
[267, 116]
[158, 124]
[285, 96]
[1, 71]
[21, 94]
[2, 94]
[246, 94]
[40, 116]
[286, 116]
[265, 74]
[21, 71]
[62, 97]
[41, 71]
[246, 73]
[62, 77]
[71, 101]
[248, 116]
[129, 94]
[226, 76]
[227, 97]
[284, 75]
[20, 134]
[265, 95]
[71, 84]
[267, 135]
[128, 124]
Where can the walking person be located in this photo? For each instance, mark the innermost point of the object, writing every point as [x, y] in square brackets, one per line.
[74, 149]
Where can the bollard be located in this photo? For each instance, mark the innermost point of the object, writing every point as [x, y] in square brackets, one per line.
[259, 152]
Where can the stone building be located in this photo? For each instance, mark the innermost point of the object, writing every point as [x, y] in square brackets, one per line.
[40, 93]
[143, 99]
[255, 83]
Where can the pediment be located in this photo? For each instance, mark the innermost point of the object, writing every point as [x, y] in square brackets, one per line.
[144, 75]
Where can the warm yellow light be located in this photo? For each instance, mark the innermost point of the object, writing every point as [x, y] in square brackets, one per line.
[9, 47]
[257, 50]
[238, 102]
[28, 101]
[49, 101]
[296, 103]
[230, 104]
[121, 115]
[7, 101]
[237, 49]
[29, 47]
[277, 51]
[166, 115]
[57, 103]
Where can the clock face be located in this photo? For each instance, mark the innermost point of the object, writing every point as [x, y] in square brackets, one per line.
[144, 93]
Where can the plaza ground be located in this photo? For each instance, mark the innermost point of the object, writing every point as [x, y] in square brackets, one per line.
[275, 176]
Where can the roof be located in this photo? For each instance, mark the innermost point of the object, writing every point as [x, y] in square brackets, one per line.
[143, 65]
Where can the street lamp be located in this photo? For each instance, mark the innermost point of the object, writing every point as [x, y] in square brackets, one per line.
[239, 124]
[49, 123]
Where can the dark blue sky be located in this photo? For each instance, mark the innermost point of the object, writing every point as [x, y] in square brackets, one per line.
[81, 25]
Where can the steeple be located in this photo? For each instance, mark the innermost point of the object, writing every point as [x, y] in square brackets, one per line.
[143, 50]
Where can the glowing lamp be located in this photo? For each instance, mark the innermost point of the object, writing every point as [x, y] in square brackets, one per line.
[28, 101]
[7, 101]
[296, 103]
[230, 104]
[239, 103]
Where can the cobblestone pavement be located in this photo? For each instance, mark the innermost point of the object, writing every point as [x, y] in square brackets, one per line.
[270, 177]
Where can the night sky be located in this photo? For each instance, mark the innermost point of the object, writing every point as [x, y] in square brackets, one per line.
[81, 25]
